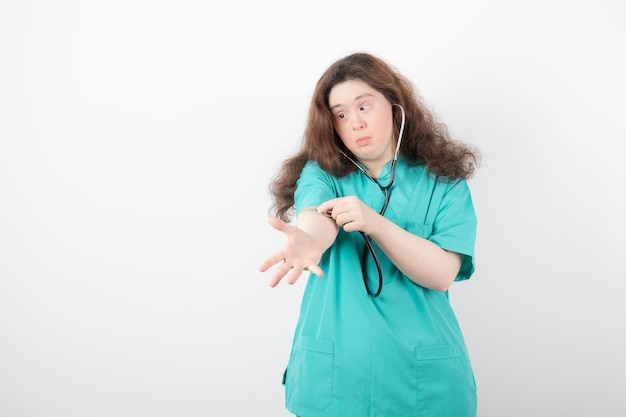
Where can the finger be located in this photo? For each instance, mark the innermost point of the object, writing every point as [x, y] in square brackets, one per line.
[351, 226]
[315, 270]
[293, 276]
[278, 275]
[271, 261]
[327, 206]
[342, 220]
[274, 280]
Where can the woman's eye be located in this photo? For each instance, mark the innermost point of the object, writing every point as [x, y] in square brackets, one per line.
[365, 107]
[341, 116]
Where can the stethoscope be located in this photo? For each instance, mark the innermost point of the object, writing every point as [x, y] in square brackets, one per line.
[386, 189]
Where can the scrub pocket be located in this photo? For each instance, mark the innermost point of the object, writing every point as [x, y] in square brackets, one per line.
[420, 229]
[309, 378]
[445, 382]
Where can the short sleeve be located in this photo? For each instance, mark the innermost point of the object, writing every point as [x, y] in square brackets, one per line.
[314, 186]
[454, 228]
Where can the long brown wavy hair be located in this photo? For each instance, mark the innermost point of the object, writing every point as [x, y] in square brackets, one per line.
[425, 139]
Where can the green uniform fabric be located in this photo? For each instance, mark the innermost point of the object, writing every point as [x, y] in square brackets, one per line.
[402, 353]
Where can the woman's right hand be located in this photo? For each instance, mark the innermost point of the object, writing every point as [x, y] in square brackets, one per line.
[300, 253]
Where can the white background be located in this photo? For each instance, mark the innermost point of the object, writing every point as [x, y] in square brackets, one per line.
[137, 141]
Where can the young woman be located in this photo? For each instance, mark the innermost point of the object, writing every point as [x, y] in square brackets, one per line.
[384, 222]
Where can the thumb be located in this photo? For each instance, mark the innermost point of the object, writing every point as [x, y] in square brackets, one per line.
[277, 223]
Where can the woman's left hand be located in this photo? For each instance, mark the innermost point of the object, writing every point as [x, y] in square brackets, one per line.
[351, 214]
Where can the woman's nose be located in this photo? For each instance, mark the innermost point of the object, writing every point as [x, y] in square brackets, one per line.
[357, 122]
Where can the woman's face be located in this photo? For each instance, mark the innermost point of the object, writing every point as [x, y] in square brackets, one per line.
[363, 119]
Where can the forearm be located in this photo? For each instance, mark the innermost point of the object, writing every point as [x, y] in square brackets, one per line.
[422, 261]
[321, 229]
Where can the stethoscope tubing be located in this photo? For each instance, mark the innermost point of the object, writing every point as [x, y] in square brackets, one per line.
[369, 248]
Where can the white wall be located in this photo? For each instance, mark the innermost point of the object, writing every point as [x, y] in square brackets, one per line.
[137, 140]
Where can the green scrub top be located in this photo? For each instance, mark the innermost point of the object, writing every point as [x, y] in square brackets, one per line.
[399, 354]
